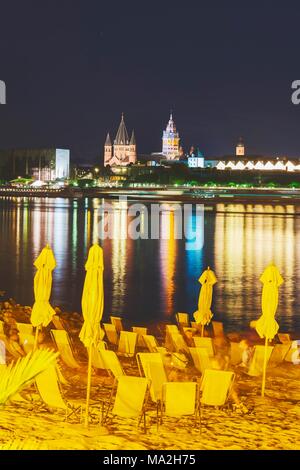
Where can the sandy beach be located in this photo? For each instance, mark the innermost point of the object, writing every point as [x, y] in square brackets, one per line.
[272, 422]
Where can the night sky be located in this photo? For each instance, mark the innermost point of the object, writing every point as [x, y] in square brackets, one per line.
[72, 67]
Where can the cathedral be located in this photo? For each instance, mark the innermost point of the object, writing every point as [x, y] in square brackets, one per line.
[170, 141]
[122, 151]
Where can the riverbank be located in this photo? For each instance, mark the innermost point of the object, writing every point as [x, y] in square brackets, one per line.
[272, 422]
[199, 194]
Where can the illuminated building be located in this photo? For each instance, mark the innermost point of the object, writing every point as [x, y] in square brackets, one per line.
[240, 149]
[195, 158]
[260, 164]
[123, 151]
[39, 164]
[170, 140]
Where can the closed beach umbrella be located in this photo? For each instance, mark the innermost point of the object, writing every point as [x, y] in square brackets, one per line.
[266, 326]
[204, 314]
[42, 312]
[92, 309]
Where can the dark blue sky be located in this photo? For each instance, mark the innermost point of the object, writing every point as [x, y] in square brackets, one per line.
[71, 67]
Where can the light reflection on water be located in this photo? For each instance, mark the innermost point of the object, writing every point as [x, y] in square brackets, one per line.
[150, 280]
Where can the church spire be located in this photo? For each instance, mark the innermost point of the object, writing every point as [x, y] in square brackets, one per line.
[122, 135]
[132, 140]
[108, 141]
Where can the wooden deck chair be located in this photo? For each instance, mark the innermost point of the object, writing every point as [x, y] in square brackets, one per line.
[179, 344]
[215, 388]
[117, 322]
[127, 343]
[25, 328]
[218, 328]
[203, 342]
[170, 329]
[97, 360]
[111, 333]
[257, 361]
[62, 341]
[57, 322]
[151, 366]
[141, 332]
[130, 399]
[48, 387]
[293, 353]
[27, 342]
[183, 319]
[180, 399]
[201, 359]
[279, 354]
[284, 338]
[111, 362]
[235, 354]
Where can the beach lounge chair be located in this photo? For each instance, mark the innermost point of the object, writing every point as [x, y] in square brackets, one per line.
[279, 354]
[293, 354]
[284, 338]
[63, 343]
[257, 361]
[179, 399]
[201, 359]
[215, 388]
[182, 319]
[97, 361]
[27, 342]
[117, 322]
[170, 329]
[151, 343]
[57, 322]
[127, 343]
[218, 328]
[48, 388]
[25, 328]
[179, 344]
[111, 333]
[130, 399]
[111, 362]
[235, 354]
[140, 331]
[203, 342]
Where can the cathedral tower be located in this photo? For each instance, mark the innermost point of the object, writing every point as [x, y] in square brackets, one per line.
[170, 140]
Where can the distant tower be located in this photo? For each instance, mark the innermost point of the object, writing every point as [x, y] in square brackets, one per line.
[170, 140]
[107, 150]
[123, 151]
[240, 148]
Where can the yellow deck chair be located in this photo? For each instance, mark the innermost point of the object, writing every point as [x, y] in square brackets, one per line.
[1, 327]
[284, 338]
[141, 332]
[218, 328]
[235, 353]
[97, 360]
[279, 354]
[215, 387]
[127, 343]
[293, 353]
[201, 359]
[203, 342]
[151, 366]
[197, 326]
[130, 399]
[27, 342]
[170, 329]
[62, 341]
[111, 333]
[111, 362]
[25, 328]
[179, 344]
[117, 322]
[57, 322]
[50, 393]
[179, 399]
[257, 361]
[183, 319]
[151, 343]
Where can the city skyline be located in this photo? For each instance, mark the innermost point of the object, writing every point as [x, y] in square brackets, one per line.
[65, 89]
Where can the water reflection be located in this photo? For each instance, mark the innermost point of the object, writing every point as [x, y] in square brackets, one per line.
[149, 280]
